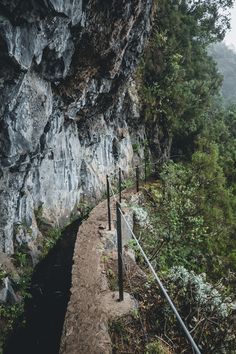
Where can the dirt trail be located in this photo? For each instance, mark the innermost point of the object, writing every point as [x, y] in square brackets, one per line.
[91, 304]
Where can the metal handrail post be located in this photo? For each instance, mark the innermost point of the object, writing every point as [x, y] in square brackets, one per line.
[119, 250]
[108, 203]
[119, 184]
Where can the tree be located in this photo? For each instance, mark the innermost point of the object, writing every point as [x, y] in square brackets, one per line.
[178, 78]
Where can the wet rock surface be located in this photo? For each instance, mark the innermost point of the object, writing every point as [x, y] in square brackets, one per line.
[64, 105]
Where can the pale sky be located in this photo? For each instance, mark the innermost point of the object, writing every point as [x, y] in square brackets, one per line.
[230, 38]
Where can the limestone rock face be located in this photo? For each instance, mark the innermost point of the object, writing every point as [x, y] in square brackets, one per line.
[65, 104]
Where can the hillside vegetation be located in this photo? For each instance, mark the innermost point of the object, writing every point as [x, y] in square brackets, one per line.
[180, 89]
[190, 232]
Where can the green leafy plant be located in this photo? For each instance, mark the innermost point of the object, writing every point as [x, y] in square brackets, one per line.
[136, 147]
[84, 207]
[3, 273]
[128, 183]
[51, 239]
[8, 315]
[20, 259]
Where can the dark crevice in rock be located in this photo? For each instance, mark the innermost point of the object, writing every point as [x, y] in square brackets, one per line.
[20, 12]
[51, 67]
[115, 149]
[44, 135]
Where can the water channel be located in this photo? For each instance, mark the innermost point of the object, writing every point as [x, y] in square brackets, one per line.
[45, 310]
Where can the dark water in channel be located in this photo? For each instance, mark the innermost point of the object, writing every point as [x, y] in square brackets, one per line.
[45, 311]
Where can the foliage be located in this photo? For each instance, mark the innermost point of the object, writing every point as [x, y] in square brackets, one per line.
[192, 220]
[220, 129]
[50, 239]
[203, 294]
[84, 207]
[12, 313]
[194, 225]
[8, 315]
[140, 216]
[3, 274]
[127, 183]
[155, 348]
[136, 147]
[191, 227]
[21, 258]
[177, 77]
[207, 311]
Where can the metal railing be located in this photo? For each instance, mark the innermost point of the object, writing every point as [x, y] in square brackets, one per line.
[119, 216]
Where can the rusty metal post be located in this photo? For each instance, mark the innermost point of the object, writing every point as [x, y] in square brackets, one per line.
[108, 203]
[119, 250]
[120, 184]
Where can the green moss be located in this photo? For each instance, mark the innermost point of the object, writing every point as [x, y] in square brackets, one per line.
[155, 348]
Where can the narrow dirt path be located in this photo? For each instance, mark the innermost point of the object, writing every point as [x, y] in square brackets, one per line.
[92, 304]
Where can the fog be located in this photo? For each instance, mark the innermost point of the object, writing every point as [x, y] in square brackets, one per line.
[230, 38]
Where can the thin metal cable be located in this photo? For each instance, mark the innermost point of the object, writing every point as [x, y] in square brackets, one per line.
[113, 196]
[129, 281]
[15, 165]
[112, 190]
[186, 331]
[149, 163]
[115, 173]
[32, 166]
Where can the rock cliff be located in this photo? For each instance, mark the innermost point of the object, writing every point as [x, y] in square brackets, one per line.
[65, 105]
